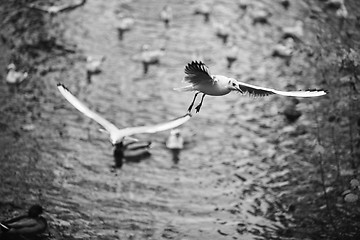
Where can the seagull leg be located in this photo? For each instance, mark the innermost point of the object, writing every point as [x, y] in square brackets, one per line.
[199, 106]
[192, 103]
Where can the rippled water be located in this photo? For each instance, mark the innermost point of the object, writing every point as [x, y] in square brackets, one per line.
[221, 186]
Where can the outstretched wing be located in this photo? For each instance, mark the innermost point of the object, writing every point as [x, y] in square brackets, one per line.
[156, 128]
[262, 91]
[110, 128]
[197, 72]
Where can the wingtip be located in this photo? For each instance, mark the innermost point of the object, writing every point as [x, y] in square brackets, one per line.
[62, 86]
[323, 91]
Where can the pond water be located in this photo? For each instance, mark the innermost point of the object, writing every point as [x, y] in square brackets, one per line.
[223, 185]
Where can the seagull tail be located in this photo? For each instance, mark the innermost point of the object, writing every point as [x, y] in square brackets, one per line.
[185, 89]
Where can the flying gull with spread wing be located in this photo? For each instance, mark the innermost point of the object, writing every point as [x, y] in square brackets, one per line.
[118, 135]
[201, 81]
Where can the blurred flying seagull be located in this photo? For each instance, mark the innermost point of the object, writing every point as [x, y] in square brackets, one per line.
[201, 81]
[118, 135]
[59, 8]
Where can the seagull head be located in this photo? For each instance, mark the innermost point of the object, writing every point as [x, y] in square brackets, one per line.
[233, 85]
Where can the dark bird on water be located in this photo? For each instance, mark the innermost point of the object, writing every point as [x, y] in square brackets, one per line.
[29, 224]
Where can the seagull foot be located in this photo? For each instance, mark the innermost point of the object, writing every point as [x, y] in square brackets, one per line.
[198, 108]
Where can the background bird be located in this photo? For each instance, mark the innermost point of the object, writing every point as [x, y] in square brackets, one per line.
[29, 224]
[93, 66]
[124, 24]
[204, 10]
[201, 81]
[150, 57]
[117, 135]
[296, 32]
[166, 15]
[232, 53]
[223, 31]
[14, 77]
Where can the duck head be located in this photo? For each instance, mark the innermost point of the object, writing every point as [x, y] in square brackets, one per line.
[35, 211]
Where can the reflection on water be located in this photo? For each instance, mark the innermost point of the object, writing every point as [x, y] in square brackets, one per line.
[219, 189]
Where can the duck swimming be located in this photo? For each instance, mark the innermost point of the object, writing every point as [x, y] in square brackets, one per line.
[26, 225]
[132, 151]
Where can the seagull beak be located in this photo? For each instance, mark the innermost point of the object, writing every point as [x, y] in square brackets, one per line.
[237, 88]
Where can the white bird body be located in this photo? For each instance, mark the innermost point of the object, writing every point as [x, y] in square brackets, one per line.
[125, 23]
[296, 31]
[166, 14]
[197, 73]
[175, 140]
[117, 135]
[13, 76]
[93, 65]
[285, 49]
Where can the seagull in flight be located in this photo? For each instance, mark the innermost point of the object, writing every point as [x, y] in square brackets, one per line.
[118, 135]
[201, 81]
[57, 9]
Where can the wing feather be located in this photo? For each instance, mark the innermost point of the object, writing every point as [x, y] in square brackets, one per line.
[156, 128]
[110, 128]
[197, 72]
[262, 91]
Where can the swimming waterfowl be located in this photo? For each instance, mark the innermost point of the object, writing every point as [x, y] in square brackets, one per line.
[243, 4]
[175, 143]
[284, 50]
[166, 15]
[201, 81]
[285, 3]
[116, 135]
[14, 77]
[93, 66]
[131, 151]
[175, 140]
[223, 31]
[203, 9]
[231, 54]
[260, 16]
[334, 4]
[124, 24]
[296, 32]
[57, 9]
[150, 57]
[26, 225]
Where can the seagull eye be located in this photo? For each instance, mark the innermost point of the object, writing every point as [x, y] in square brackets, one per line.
[234, 84]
